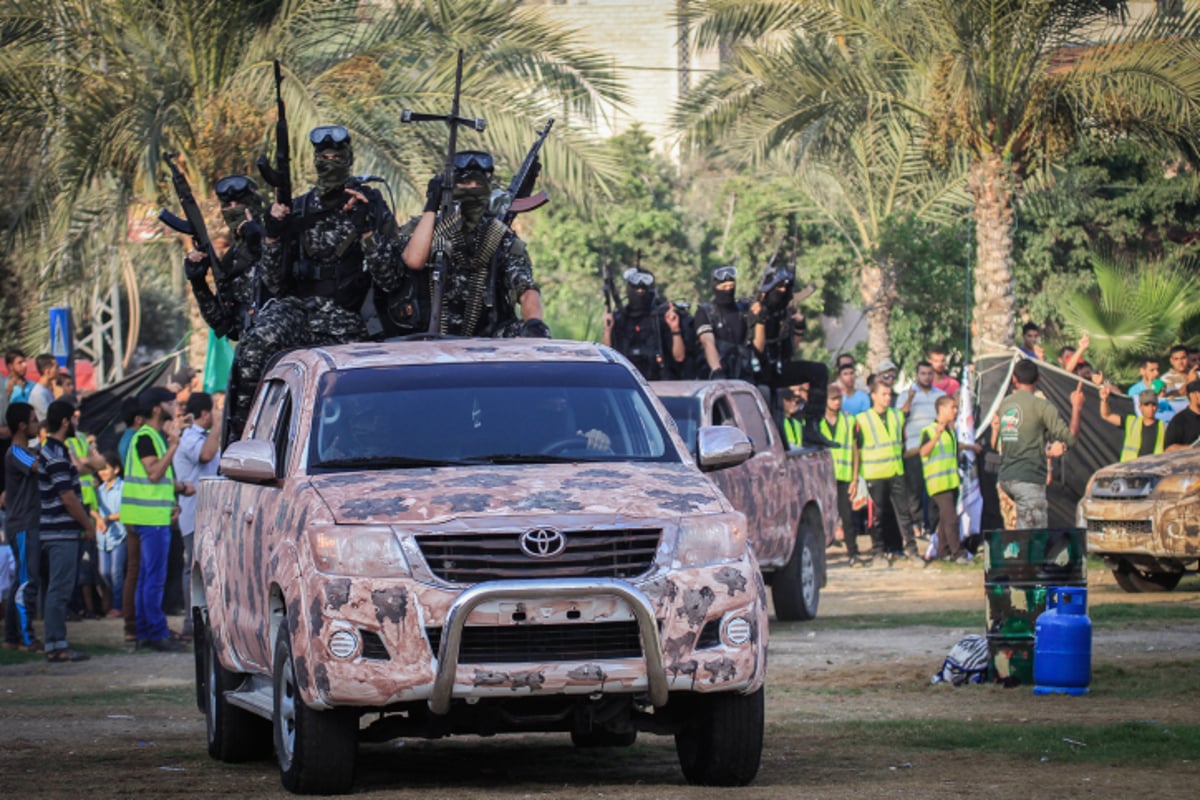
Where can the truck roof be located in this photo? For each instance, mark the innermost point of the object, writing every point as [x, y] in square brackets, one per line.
[696, 388]
[455, 350]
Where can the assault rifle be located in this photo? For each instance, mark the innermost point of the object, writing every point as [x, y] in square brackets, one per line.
[193, 222]
[281, 176]
[612, 299]
[441, 256]
[517, 198]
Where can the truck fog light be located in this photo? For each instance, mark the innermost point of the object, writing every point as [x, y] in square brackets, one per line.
[343, 644]
[738, 631]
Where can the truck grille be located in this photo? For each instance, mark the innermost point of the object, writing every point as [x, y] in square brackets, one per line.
[1125, 487]
[473, 557]
[522, 643]
[1137, 527]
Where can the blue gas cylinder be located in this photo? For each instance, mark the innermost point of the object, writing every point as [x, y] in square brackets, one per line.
[1062, 645]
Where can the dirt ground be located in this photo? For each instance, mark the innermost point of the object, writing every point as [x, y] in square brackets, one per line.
[126, 723]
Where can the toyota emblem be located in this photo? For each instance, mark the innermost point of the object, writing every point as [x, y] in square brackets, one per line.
[543, 543]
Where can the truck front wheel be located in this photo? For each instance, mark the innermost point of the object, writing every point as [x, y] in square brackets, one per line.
[1134, 580]
[234, 734]
[796, 588]
[316, 749]
[720, 742]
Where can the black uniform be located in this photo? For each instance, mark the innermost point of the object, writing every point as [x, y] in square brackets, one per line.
[727, 323]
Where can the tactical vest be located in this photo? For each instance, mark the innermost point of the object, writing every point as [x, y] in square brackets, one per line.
[492, 239]
[941, 466]
[883, 444]
[344, 280]
[793, 430]
[843, 456]
[639, 339]
[142, 501]
[730, 332]
[87, 483]
[1133, 437]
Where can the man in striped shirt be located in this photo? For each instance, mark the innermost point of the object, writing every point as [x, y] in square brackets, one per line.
[64, 521]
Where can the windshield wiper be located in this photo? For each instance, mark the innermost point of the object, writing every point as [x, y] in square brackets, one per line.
[383, 462]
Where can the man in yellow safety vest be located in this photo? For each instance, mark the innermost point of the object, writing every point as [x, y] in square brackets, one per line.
[838, 427]
[878, 457]
[939, 463]
[1144, 435]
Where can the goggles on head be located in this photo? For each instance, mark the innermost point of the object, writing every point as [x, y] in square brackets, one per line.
[635, 277]
[778, 279]
[324, 136]
[234, 187]
[474, 161]
[722, 274]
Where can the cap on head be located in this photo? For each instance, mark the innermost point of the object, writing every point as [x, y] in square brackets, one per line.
[154, 396]
[1193, 387]
[887, 365]
[1147, 397]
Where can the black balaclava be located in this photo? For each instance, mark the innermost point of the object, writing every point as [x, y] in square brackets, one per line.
[473, 201]
[641, 299]
[333, 173]
[778, 299]
[725, 297]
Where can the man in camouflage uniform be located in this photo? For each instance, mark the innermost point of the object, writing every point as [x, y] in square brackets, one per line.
[313, 263]
[229, 309]
[488, 276]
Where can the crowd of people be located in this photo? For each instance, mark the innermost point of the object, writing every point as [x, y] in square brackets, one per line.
[90, 533]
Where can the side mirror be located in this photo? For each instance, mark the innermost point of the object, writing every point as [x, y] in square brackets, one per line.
[250, 460]
[723, 446]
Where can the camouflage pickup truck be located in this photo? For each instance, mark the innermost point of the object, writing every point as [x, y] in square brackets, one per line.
[1143, 518]
[789, 496]
[421, 539]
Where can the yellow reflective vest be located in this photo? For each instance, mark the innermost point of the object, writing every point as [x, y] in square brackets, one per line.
[941, 466]
[144, 502]
[87, 483]
[882, 454]
[1133, 437]
[843, 456]
[793, 429]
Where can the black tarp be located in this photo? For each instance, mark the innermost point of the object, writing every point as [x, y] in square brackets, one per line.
[1099, 442]
[100, 411]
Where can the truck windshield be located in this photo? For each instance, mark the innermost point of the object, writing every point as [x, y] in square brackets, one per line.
[502, 413]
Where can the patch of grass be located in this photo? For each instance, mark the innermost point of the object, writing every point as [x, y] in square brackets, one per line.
[1161, 680]
[121, 698]
[1123, 743]
[1105, 616]
[959, 618]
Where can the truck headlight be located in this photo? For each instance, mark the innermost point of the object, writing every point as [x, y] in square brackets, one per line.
[372, 551]
[709, 538]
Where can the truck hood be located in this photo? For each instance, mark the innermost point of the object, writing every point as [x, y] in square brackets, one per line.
[1161, 465]
[428, 496]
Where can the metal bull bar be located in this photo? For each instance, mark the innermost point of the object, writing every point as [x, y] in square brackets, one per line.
[468, 601]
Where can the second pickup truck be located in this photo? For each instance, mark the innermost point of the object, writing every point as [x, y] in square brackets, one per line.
[789, 496]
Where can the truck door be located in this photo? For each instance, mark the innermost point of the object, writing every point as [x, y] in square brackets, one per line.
[253, 535]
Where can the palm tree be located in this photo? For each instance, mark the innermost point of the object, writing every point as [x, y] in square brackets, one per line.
[1009, 84]
[1136, 309]
[859, 168]
[97, 92]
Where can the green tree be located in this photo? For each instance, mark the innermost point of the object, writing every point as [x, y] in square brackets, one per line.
[1005, 83]
[95, 93]
[1137, 309]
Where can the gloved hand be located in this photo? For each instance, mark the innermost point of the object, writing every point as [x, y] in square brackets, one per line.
[196, 270]
[252, 235]
[433, 193]
[717, 374]
[276, 228]
[534, 329]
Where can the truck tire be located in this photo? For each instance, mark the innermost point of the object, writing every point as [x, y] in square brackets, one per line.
[720, 743]
[1134, 580]
[234, 734]
[796, 587]
[315, 749]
